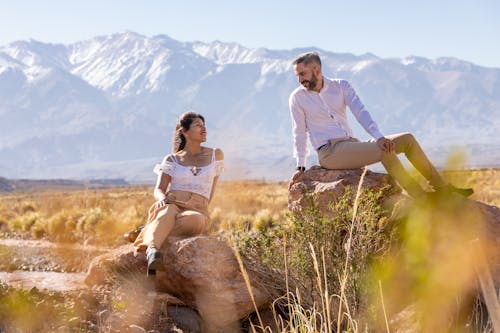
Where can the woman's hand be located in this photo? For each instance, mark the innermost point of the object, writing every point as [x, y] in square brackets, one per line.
[161, 203]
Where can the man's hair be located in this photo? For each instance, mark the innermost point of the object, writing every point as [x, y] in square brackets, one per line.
[307, 58]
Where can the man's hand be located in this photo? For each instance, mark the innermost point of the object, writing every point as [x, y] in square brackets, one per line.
[295, 176]
[386, 145]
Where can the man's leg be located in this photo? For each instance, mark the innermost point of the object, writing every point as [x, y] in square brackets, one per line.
[351, 155]
[407, 144]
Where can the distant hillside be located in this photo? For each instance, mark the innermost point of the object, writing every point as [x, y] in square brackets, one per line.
[24, 185]
[106, 107]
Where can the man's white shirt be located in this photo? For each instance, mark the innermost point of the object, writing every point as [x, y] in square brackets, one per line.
[323, 115]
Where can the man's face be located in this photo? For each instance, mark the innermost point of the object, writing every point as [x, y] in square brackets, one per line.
[307, 75]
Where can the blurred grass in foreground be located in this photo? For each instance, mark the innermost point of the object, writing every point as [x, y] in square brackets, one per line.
[349, 274]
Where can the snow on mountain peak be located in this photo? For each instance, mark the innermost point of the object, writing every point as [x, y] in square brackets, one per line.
[229, 53]
[361, 65]
[115, 99]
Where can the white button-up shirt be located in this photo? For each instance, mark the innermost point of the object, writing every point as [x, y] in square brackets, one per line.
[323, 115]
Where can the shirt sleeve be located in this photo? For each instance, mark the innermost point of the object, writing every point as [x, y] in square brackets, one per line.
[359, 110]
[299, 130]
[166, 166]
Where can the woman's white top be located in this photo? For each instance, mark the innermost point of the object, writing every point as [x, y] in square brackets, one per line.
[190, 178]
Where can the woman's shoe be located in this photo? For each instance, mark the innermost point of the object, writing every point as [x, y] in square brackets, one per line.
[131, 235]
[154, 259]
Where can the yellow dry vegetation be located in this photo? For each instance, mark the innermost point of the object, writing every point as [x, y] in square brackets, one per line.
[102, 215]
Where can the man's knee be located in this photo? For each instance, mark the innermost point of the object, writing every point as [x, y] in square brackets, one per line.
[405, 136]
[403, 141]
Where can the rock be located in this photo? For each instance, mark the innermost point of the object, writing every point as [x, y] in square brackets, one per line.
[406, 321]
[462, 235]
[326, 185]
[136, 329]
[490, 240]
[186, 319]
[202, 272]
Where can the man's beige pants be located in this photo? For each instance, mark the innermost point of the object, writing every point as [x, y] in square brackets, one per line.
[186, 214]
[350, 153]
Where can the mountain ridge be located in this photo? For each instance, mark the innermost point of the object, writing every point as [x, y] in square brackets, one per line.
[93, 107]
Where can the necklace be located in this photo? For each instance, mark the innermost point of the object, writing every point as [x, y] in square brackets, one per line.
[195, 170]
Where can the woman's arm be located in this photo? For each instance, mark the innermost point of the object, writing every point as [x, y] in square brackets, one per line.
[219, 156]
[162, 182]
[214, 184]
[161, 187]
[160, 191]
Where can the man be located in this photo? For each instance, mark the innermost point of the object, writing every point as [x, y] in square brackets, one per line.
[318, 108]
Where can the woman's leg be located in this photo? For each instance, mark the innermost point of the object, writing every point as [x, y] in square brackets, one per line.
[155, 232]
[190, 223]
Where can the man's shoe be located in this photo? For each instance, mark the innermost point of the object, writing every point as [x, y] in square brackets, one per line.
[154, 259]
[448, 189]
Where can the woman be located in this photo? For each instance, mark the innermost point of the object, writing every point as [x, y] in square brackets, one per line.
[184, 188]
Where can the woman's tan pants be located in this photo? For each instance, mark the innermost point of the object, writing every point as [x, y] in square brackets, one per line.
[350, 153]
[186, 214]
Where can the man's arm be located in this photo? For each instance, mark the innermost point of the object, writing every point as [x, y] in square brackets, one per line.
[299, 130]
[352, 100]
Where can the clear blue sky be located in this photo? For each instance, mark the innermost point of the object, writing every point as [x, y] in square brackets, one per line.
[466, 29]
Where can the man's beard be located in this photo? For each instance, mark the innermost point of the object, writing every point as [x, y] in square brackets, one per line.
[313, 82]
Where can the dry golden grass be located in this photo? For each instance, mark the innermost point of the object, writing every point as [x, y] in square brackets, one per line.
[103, 215]
[485, 182]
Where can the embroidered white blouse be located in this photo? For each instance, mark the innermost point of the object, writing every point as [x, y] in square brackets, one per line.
[190, 178]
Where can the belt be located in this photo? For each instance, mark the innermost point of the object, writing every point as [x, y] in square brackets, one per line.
[317, 149]
[333, 142]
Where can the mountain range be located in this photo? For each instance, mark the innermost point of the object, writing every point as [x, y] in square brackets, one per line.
[106, 107]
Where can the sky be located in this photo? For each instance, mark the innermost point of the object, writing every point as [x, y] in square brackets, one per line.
[465, 29]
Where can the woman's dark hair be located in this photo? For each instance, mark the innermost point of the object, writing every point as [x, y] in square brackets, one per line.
[184, 122]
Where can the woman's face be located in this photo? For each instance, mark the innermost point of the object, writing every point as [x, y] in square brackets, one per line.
[196, 132]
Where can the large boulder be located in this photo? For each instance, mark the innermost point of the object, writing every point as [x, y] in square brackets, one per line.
[460, 239]
[319, 187]
[490, 236]
[201, 272]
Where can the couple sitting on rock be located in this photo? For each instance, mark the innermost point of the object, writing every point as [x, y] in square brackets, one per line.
[187, 178]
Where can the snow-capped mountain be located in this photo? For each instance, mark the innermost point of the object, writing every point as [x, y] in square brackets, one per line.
[106, 107]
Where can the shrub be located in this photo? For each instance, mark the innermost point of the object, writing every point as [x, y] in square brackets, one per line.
[291, 245]
[61, 226]
[23, 223]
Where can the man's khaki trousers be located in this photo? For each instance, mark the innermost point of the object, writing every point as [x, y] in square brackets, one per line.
[350, 153]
